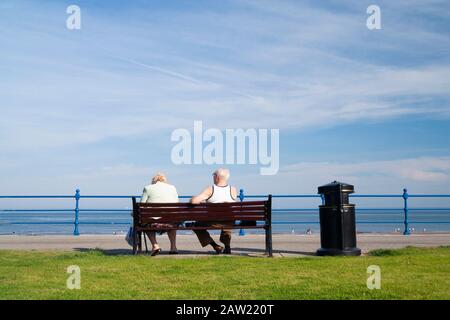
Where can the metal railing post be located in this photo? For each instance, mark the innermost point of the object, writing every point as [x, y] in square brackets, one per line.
[405, 211]
[241, 197]
[76, 232]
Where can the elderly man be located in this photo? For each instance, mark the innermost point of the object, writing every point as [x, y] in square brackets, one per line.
[219, 192]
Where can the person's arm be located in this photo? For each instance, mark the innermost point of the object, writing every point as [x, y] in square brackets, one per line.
[204, 195]
[144, 197]
[234, 193]
[175, 195]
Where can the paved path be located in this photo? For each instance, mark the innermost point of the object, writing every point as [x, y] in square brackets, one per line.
[284, 245]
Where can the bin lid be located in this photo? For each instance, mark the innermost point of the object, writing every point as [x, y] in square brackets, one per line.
[336, 186]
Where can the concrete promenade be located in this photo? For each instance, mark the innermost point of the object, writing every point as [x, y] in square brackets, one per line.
[284, 245]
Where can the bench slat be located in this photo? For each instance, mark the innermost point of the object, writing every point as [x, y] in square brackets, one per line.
[145, 220]
[201, 213]
[203, 228]
[202, 210]
[203, 217]
[209, 205]
[211, 214]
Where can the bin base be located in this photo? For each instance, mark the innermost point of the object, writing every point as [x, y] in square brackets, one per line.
[339, 252]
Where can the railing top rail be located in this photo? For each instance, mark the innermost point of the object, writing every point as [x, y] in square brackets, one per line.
[376, 195]
[283, 196]
[38, 197]
[429, 195]
[245, 196]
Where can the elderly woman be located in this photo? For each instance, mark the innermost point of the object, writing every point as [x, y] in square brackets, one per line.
[161, 192]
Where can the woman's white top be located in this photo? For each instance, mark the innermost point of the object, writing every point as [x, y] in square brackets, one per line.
[220, 195]
[159, 192]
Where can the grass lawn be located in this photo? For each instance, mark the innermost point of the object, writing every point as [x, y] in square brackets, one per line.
[409, 273]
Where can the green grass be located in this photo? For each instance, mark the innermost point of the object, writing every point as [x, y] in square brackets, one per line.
[409, 273]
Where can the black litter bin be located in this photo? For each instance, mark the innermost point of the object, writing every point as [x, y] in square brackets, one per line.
[337, 221]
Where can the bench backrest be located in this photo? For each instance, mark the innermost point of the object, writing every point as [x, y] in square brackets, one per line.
[145, 213]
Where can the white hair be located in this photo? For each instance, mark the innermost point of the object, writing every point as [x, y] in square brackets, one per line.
[159, 177]
[222, 173]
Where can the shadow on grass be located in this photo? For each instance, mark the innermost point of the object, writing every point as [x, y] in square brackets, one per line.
[409, 250]
[245, 252]
[261, 251]
[129, 252]
[385, 253]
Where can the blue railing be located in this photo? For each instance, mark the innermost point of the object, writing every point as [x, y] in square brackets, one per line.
[406, 209]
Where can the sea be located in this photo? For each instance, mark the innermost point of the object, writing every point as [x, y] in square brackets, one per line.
[291, 221]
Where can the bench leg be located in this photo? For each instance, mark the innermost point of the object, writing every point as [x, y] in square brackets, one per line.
[269, 241]
[145, 242]
[140, 242]
[135, 240]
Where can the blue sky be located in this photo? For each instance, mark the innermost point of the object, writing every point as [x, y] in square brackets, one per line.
[94, 108]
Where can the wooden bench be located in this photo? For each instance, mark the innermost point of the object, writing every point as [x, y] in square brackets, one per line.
[249, 213]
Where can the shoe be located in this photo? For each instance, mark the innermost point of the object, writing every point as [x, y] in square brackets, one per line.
[218, 249]
[173, 252]
[227, 250]
[155, 252]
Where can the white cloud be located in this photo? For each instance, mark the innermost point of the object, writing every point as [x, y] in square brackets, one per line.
[424, 169]
[282, 64]
[259, 64]
[420, 175]
[424, 175]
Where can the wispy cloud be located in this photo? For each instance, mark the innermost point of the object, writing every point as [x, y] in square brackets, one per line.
[424, 169]
[152, 68]
[426, 175]
[288, 64]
